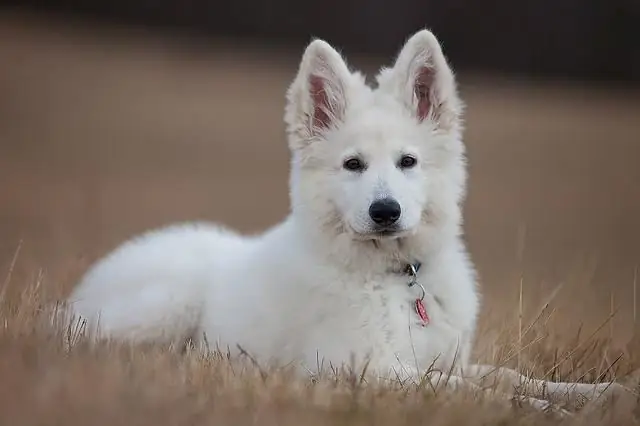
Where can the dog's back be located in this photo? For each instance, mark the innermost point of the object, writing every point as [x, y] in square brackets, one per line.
[152, 287]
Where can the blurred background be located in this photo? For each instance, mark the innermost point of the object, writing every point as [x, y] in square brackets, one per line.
[118, 116]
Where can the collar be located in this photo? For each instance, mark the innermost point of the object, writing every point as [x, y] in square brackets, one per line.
[412, 269]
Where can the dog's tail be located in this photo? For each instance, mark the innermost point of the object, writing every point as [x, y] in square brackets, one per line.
[150, 289]
[146, 315]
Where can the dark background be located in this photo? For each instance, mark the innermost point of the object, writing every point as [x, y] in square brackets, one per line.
[119, 116]
[593, 40]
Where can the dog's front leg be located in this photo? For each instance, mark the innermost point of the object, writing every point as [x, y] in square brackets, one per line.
[453, 383]
[449, 382]
[508, 380]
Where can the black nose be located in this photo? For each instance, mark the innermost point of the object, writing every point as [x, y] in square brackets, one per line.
[385, 212]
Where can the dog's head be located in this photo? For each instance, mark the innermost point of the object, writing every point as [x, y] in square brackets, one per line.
[376, 163]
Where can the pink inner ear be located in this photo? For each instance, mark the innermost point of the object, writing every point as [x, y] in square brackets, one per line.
[422, 88]
[321, 107]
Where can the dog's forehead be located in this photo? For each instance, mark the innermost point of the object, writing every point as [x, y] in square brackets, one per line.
[379, 124]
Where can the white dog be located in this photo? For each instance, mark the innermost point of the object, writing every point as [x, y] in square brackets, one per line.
[369, 267]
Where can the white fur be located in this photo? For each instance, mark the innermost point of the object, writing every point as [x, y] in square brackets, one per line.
[323, 284]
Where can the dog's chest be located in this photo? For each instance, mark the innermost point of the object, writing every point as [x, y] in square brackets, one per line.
[387, 319]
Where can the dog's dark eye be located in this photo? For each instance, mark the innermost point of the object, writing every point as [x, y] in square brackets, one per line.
[354, 165]
[407, 161]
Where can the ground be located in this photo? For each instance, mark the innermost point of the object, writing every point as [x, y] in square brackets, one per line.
[105, 133]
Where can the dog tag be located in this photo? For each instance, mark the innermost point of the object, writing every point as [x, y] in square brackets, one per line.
[422, 312]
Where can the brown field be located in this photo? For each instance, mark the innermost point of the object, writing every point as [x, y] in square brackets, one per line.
[106, 133]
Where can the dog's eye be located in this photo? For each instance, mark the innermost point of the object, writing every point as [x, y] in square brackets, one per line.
[407, 162]
[353, 164]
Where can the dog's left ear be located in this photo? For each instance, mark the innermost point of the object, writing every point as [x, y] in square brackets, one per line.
[425, 83]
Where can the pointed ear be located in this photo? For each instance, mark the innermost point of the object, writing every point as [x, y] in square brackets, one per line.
[317, 98]
[425, 82]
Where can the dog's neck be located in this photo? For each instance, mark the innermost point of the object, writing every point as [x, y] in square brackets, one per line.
[374, 256]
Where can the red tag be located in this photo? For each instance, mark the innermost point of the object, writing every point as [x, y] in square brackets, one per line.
[422, 312]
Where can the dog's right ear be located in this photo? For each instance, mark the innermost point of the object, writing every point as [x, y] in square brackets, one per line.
[317, 98]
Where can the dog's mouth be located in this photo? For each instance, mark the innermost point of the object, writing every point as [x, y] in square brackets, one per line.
[381, 234]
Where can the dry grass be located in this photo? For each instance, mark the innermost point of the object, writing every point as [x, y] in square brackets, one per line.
[43, 382]
[90, 128]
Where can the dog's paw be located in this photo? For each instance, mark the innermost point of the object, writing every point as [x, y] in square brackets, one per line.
[612, 390]
[632, 380]
[612, 395]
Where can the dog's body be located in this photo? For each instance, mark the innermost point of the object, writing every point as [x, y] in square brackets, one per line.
[276, 297]
[377, 181]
